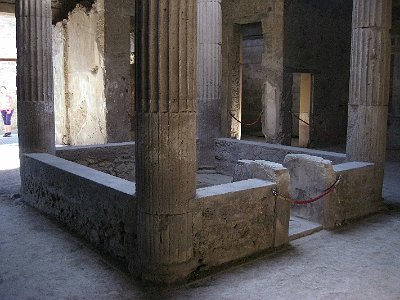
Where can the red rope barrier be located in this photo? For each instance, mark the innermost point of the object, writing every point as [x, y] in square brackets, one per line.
[298, 118]
[247, 124]
[303, 202]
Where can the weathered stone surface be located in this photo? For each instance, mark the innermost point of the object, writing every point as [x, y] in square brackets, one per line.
[233, 221]
[367, 133]
[114, 159]
[99, 207]
[369, 82]
[230, 151]
[92, 51]
[266, 170]
[117, 29]
[209, 36]
[166, 141]
[309, 177]
[35, 77]
[357, 194]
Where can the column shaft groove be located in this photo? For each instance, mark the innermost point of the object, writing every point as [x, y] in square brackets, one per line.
[165, 146]
[35, 76]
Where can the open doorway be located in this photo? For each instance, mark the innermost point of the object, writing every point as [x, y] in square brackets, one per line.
[301, 108]
[252, 80]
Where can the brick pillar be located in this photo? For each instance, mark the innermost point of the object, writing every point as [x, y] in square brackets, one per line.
[35, 77]
[165, 145]
[209, 79]
[369, 82]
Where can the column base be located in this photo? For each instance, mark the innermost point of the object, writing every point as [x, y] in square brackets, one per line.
[168, 274]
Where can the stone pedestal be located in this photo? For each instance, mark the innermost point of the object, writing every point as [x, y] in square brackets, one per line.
[208, 79]
[369, 82]
[165, 145]
[35, 76]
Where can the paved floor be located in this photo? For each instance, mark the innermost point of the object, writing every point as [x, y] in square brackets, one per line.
[40, 260]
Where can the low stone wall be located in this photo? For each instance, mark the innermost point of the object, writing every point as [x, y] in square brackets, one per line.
[230, 151]
[99, 207]
[230, 222]
[357, 194]
[115, 159]
[235, 220]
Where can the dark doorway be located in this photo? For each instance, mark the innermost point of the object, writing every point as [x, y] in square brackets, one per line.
[252, 79]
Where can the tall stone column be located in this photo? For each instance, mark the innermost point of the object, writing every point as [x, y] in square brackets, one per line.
[369, 82]
[209, 28]
[35, 77]
[166, 142]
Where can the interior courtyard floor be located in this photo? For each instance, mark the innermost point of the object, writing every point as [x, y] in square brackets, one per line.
[39, 259]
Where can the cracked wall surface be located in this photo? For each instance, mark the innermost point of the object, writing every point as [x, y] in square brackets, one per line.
[92, 74]
[78, 51]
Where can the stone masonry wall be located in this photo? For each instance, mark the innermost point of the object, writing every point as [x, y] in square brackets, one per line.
[114, 159]
[230, 151]
[99, 207]
[233, 221]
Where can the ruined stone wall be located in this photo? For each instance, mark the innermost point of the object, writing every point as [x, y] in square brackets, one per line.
[229, 151]
[318, 41]
[235, 220]
[114, 159]
[99, 207]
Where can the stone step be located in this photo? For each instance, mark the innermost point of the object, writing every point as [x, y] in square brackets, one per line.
[299, 228]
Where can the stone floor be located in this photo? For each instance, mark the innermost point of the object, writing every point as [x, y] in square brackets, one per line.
[41, 260]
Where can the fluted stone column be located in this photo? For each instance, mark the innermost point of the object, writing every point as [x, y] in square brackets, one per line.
[209, 28]
[369, 82]
[165, 145]
[35, 76]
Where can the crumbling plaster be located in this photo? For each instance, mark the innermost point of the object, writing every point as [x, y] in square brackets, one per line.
[79, 95]
[91, 50]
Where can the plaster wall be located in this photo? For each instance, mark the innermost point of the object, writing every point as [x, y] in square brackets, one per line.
[80, 103]
[270, 13]
[393, 137]
[92, 74]
[117, 50]
[8, 50]
[318, 41]
[60, 104]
